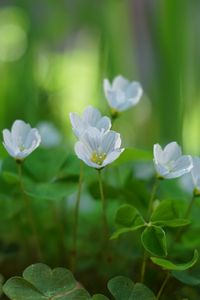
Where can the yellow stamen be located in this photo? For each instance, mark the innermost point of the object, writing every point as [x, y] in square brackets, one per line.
[98, 158]
[22, 148]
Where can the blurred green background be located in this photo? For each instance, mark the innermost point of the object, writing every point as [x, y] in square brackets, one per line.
[55, 54]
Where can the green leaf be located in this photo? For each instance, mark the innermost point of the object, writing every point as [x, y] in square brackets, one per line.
[128, 216]
[123, 288]
[39, 282]
[132, 154]
[141, 292]
[129, 219]
[99, 297]
[9, 170]
[44, 164]
[51, 191]
[166, 264]
[186, 278]
[123, 230]
[168, 214]
[154, 240]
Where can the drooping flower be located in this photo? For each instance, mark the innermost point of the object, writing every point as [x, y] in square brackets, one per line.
[91, 117]
[122, 94]
[21, 140]
[169, 162]
[98, 148]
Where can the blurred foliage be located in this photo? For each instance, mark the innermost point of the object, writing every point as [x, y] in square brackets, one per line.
[53, 58]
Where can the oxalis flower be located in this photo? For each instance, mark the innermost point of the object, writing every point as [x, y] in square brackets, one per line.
[170, 163]
[98, 148]
[91, 117]
[191, 181]
[21, 140]
[122, 94]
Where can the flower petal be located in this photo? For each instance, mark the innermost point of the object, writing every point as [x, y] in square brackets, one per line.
[112, 156]
[172, 152]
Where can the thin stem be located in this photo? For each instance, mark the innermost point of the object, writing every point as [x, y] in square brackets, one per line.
[186, 215]
[143, 268]
[29, 212]
[150, 208]
[76, 216]
[163, 286]
[104, 219]
[153, 193]
[189, 208]
[60, 229]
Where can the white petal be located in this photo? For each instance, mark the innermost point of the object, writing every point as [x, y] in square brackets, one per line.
[19, 132]
[7, 137]
[92, 137]
[104, 123]
[33, 138]
[109, 141]
[106, 86]
[84, 154]
[195, 172]
[12, 150]
[161, 170]
[120, 83]
[172, 152]
[134, 91]
[112, 156]
[158, 153]
[181, 166]
[91, 116]
[77, 124]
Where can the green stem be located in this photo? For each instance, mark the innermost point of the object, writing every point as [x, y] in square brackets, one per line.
[76, 216]
[186, 215]
[60, 230]
[29, 212]
[189, 208]
[104, 219]
[153, 193]
[163, 286]
[143, 268]
[149, 212]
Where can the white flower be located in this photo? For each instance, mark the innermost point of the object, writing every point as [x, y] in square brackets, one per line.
[122, 94]
[91, 117]
[21, 140]
[98, 148]
[170, 163]
[195, 173]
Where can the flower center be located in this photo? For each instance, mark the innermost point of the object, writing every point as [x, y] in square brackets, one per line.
[21, 148]
[98, 158]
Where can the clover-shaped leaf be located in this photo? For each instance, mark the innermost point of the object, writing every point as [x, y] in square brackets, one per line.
[168, 265]
[128, 219]
[123, 288]
[39, 282]
[168, 213]
[154, 240]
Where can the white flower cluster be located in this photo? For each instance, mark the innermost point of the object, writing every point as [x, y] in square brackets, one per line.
[97, 145]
